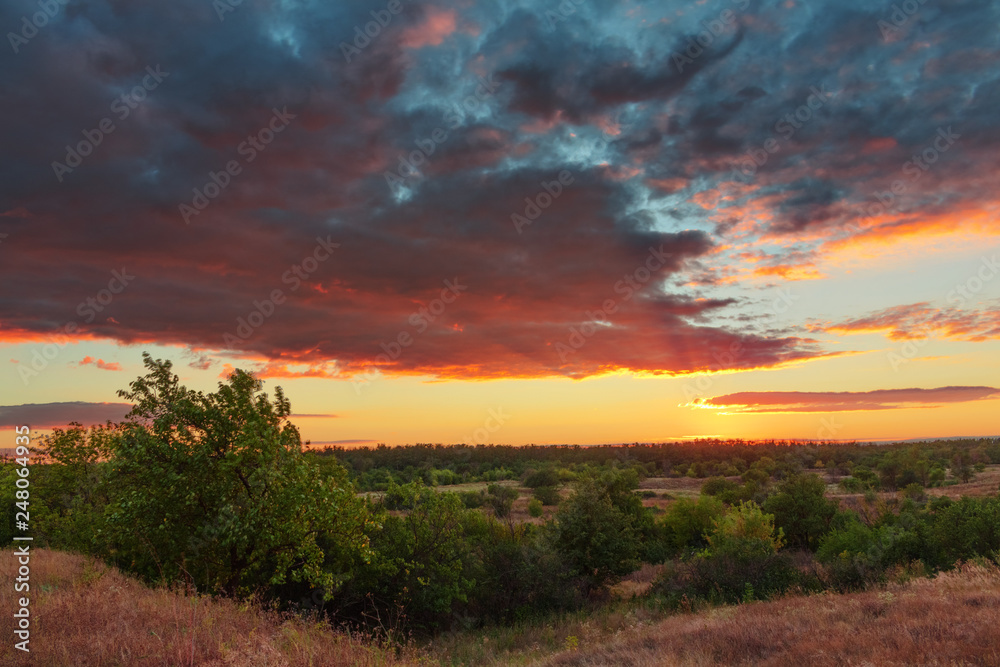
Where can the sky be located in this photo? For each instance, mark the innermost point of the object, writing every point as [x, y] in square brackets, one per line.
[587, 221]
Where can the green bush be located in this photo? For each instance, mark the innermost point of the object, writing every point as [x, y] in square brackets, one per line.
[547, 495]
[967, 528]
[500, 499]
[686, 523]
[715, 486]
[801, 510]
[544, 477]
[741, 562]
[421, 564]
[535, 507]
[598, 530]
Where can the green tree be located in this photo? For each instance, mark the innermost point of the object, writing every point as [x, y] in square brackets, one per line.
[961, 467]
[742, 561]
[421, 560]
[501, 499]
[687, 522]
[801, 510]
[535, 507]
[214, 488]
[598, 530]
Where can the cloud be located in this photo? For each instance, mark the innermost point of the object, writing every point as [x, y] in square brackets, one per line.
[658, 156]
[100, 363]
[437, 24]
[922, 320]
[881, 399]
[59, 415]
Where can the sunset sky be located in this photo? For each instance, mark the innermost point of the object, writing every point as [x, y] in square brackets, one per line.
[593, 221]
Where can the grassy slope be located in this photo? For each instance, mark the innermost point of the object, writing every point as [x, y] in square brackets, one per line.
[84, 613]
[953, 619]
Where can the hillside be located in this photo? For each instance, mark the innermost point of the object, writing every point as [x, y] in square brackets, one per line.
[84, 613]
[952, 619]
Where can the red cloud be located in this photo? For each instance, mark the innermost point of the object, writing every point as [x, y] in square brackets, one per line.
[100, 363]
[838, 401]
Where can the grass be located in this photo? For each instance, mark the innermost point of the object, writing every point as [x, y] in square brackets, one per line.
[85, 613]
[951, 619]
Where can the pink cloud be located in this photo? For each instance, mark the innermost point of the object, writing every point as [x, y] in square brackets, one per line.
[437, 24]
[839, 401]
[100, 363]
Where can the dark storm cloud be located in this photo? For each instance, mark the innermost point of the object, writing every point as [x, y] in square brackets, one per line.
[599, 97]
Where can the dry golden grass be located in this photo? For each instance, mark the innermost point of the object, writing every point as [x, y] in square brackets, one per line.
[85, 613]
[953, 619]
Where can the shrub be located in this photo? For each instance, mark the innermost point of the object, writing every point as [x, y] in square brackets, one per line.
[473, 499]
[500, 499]
[967, 528]
[535, 507]
[598, 529]
[801, 510]
[740, 563]
[421, 562]
[547, 495]
[544, 477]
[715, 486]
[687, 522]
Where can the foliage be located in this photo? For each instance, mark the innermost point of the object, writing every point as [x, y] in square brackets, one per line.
[597, 530]
[500, 499]
[801, 510]
[535, 508]
[687, 522]
[420, 561]
[214, 488]
[547, 495]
